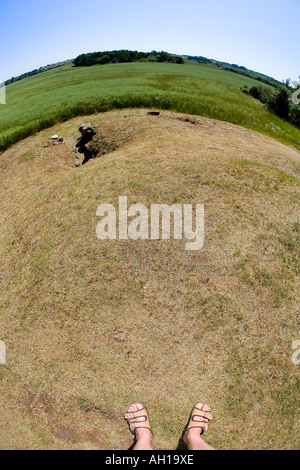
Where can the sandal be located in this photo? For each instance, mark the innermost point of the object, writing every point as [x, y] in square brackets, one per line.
[196, 412]
[143, 413]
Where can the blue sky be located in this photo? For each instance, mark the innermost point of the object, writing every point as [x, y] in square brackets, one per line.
[261, 35]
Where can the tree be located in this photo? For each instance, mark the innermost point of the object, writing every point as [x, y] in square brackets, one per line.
[179, 60]
[103, 59]
[280, 103]
[295, 115]
[163, 57]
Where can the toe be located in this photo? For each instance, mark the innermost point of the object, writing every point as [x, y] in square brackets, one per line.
[203, 407]
[206, 408]
[135, 407]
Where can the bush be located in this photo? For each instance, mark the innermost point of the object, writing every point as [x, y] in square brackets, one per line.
[255, 92]
[245, 89]
[295, 115]
[280, 103]
[103, 60]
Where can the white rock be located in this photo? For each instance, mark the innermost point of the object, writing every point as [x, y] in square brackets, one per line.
[54, 137]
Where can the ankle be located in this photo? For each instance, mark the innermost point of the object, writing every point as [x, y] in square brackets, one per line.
[143, 434]
[192, 435]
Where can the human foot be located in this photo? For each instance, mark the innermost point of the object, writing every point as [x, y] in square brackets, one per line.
[137, 418]
[198, 423]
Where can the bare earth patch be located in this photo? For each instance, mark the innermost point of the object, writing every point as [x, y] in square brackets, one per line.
[92, 326]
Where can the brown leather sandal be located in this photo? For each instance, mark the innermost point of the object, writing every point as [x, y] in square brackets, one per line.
[198, 424]
[143, 413]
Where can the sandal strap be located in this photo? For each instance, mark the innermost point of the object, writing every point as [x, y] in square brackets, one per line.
[136, 414]
[193, 423]
[201, 414]
[145, 424]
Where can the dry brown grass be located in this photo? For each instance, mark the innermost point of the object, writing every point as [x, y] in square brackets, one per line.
[92, 326]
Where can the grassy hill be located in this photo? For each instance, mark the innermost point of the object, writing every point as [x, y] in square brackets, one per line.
[57, 95]
[92, 326]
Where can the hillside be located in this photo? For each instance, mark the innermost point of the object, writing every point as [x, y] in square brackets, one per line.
[234, 68]
[91, 325]
[57, 95]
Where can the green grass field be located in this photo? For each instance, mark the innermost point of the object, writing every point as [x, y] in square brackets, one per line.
[57, 95]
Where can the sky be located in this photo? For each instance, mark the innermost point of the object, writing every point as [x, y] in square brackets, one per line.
[262, 35]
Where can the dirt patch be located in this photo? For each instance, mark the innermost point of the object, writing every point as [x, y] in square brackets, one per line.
[74, 433]
[38, 403]
[81, 431]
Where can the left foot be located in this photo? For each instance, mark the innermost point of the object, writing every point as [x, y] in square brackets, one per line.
[137, 418]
